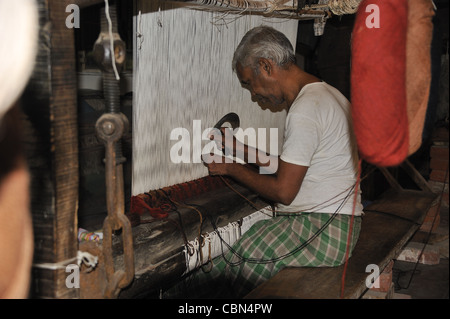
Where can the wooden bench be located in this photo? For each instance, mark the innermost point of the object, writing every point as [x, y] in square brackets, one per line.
[388, 224]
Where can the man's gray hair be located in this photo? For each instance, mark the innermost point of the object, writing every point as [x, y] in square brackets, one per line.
[263, 42]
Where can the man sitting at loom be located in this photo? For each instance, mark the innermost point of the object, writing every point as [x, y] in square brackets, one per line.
[315, 180]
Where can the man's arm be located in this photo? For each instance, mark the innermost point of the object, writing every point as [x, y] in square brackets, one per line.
[281, 187]
[255, 156]
[250, 155]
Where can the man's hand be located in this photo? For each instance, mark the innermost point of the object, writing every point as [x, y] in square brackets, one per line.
[227, 142]
[217, 164]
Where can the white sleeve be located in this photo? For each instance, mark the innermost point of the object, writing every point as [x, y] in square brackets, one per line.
[301, 139]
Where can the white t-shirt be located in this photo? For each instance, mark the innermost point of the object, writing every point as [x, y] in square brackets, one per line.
[318, 134]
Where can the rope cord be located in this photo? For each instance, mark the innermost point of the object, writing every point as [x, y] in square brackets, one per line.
[207, 238]
[350, 232]
[172, 208]
[82, 257]
[312, 209]
[200, 237]
[111, 40]
[340, 7]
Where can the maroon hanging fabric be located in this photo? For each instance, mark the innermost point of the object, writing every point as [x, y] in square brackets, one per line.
[390, 78]
[378, 77]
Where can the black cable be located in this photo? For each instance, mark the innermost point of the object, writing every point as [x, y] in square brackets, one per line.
[174, 208]
[292, 252]
[188, 279]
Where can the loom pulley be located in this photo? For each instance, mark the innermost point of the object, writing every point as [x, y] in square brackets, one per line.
[110, 127]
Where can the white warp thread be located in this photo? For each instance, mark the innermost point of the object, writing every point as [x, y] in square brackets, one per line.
[213, 242]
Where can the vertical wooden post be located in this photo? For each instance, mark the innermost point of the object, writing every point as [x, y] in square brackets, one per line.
[51, 142]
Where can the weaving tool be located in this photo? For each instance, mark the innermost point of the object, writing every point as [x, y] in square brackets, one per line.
[231, 118]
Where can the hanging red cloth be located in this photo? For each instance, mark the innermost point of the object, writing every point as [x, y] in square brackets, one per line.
[390, 78]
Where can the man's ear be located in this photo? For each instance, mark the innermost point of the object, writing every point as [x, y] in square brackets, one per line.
[265, 65]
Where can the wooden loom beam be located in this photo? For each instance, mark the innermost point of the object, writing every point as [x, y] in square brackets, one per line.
[158, 245]
[51, 144]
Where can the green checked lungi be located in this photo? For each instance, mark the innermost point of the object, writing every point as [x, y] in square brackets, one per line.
[270, 245]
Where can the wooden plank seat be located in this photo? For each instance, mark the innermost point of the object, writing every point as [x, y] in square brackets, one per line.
[387, 225]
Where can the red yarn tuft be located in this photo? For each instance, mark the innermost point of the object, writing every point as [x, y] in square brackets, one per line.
[139, 206]
[159, 202]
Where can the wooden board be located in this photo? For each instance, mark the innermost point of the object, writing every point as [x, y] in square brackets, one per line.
[387, 226]
[50, 139]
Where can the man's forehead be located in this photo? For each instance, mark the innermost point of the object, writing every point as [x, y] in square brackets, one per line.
[243, 73]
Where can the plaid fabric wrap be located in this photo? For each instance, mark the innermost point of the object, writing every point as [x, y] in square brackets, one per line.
[277, 237]
[267, 248]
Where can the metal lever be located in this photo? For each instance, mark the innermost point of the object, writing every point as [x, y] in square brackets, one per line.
[110, 128]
